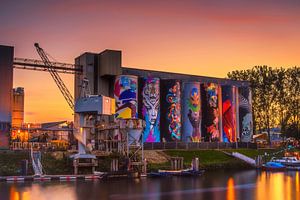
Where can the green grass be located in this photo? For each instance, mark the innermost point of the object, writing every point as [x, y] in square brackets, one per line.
[209, 159]
[10, 162]
[57, 165]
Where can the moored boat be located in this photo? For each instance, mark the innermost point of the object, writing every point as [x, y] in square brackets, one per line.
[287, 161]
[273, 166]
[168, 173]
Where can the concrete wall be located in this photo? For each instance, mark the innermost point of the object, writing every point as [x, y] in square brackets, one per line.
[110, 63]
[6, 82]
[88, 61]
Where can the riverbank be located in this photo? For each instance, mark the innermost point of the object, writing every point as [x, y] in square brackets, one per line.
[209, 159]
[56, 163]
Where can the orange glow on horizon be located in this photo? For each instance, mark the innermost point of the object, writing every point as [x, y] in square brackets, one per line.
[193, 37]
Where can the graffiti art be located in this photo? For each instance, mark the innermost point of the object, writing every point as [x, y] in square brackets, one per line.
[228, 113]
[125, 92]
[171, 110]
[151, 109]
[210, 121]
[245, 114]
[191, 112]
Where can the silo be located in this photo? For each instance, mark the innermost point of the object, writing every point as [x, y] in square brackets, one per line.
[18, 107]
[245, 114]
[191, 113]
[125, 93]
[150, 109]
[170, 95]
[210, 112]
[229, 113]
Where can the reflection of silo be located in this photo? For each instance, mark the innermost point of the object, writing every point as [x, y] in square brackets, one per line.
[150, 109]
[229, 113]
[210, 112]
[191, 113]
[125, 93]
[245, 114]
[170, 109]
[6, 78]
[18, 107]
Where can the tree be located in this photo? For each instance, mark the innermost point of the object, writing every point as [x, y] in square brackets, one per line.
[275, 97]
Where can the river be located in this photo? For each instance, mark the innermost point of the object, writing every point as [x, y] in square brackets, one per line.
[215, 185]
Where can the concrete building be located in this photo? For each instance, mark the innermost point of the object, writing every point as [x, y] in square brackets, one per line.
[176, 107]
[18, 108]
[6, 84]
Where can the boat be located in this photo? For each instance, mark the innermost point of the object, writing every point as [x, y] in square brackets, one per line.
[293, 168]
[273, 166]
[169, 173]
[287, 161]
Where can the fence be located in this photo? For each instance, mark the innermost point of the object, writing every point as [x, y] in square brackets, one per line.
[198, 145]
[37, 145]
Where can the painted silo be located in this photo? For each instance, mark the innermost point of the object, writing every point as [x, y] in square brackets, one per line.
[245, 114]
[191, 113]
[210, 112]
[150, 99]
[125, 93]
[229, 113]
[170, 118]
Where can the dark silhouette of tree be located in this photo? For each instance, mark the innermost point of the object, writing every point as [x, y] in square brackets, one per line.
[275, 97]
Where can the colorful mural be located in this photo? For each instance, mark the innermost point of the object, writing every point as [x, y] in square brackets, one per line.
[151, 109]
[245, 114]
[191, 112]
[125, 93]
[228, 113]
[171, 110]
[211, 115]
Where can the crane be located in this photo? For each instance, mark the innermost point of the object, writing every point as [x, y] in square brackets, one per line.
[79, 133]
[57, 79]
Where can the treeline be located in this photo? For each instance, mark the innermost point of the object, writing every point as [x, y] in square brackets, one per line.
[275, 97]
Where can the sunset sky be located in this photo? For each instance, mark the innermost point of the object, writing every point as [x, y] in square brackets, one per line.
[207, 38]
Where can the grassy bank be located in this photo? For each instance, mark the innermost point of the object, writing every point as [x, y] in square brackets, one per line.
[209, 160]
[10, 162]
[53, 163]
[213, 159]
[60, 163]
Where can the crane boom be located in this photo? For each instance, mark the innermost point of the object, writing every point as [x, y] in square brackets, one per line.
[57, 79]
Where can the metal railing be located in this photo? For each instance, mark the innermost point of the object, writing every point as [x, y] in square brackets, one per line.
[29, 145]
[198, 145]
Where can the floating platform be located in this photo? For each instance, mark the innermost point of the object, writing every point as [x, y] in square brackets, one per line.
[170, 173]
[50, 178]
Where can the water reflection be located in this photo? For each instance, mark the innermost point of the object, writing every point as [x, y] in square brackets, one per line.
[278, 186]
[213, 185]
[230, 189]
[25, 191]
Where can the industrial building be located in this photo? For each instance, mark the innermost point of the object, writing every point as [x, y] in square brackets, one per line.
[175, 107]
[17, 108]
[6, 77]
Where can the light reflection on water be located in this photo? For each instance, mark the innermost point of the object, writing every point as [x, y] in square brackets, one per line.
[213, 185]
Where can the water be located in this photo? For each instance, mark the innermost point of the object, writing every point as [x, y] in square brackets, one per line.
[212, 185]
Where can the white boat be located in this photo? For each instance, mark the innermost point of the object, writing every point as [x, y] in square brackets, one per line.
[287, 161]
